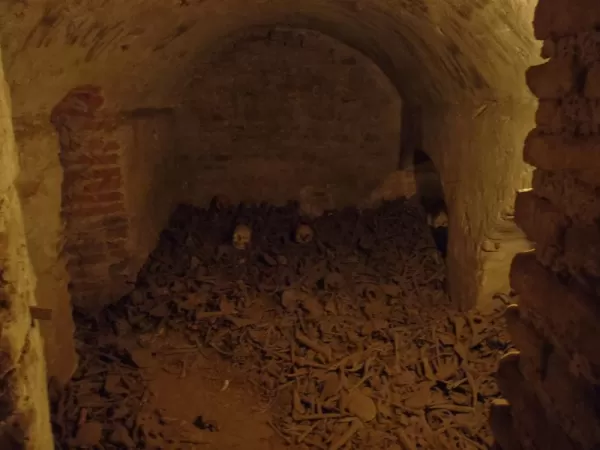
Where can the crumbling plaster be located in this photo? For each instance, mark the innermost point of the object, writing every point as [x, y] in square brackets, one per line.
[460, 62]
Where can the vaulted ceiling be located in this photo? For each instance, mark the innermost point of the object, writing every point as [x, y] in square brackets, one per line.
[144, 52]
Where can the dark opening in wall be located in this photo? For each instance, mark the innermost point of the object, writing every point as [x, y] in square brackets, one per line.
[431, 196]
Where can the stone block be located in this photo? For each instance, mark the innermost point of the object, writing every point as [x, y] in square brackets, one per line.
[530, 420]
[565, 313]
[550, 119]
[582, 249]
[545, 367]
[578, 200]
[553, 79]
[541, 221]
[552, 152]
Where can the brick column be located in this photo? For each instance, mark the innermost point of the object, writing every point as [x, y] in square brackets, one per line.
[93, 201]
[551, 383]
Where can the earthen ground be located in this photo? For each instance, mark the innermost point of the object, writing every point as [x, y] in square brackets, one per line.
[332, 333]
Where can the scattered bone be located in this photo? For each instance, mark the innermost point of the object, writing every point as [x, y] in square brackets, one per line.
[351, 339]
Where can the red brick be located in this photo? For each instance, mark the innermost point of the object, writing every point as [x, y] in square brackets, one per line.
[562, 152]
[77, 210]
[90, 159]
[112, 146]
[90, 173]
[102, 197]
[117, 233]
[108, 184]
[566, 313]
[553, 79]
[98, 226]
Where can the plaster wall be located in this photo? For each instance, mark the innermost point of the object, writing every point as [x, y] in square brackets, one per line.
[39, 186]
[24, 411]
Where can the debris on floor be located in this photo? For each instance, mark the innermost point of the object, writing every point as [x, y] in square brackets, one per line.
[341, 323]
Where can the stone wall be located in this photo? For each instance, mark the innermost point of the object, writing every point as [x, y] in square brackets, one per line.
[551, 382]
[275, 111]
[24, 414]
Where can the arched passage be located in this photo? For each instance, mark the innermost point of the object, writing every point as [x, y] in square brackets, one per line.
[457, 66]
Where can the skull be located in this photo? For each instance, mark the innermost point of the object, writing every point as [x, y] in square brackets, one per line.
[304, 234]
[242, 235]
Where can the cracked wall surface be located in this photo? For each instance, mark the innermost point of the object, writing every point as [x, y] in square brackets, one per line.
[24, 410]
[551, 383]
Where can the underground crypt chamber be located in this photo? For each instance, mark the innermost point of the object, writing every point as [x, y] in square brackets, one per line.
[285, 258]
[297, 293]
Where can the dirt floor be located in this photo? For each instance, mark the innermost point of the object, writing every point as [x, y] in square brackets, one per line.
[251, 329]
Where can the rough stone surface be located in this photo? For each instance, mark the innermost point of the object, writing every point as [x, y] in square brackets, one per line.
[556, 326]
[24, 410]
[39, 185]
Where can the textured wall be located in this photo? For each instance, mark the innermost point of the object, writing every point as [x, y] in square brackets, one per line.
[152, 180]
[277, 110]
[551, 383]
[39, 185]
[92, 199]
[24, 415]
[459, 64]
[435, 51]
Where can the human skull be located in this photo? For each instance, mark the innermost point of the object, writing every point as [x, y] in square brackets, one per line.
[242, 235]
[438, 220]
[304, 234]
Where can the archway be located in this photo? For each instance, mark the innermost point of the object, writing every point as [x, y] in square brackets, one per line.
[426, 51]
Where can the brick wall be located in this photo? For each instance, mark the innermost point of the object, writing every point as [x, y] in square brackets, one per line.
[275, 110]
[551, 383]
[93, 201]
